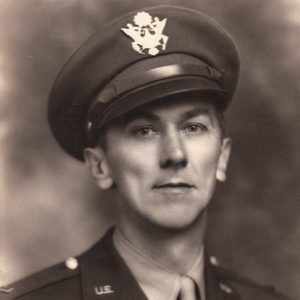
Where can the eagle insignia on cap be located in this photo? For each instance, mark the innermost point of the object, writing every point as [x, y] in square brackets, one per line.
[147, 33]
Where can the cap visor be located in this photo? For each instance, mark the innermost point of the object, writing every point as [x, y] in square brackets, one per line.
[158, 91]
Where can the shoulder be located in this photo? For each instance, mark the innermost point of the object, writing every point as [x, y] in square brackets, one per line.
[247, 289]
[60, 281]
[64, 281]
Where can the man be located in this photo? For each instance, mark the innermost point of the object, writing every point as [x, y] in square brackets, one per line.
[142, 102]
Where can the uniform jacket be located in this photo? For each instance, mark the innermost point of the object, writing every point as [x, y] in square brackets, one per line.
[101, 274]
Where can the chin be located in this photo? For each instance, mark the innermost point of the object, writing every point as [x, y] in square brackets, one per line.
[178, 222]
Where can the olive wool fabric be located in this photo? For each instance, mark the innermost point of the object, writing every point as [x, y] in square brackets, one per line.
[101, 273]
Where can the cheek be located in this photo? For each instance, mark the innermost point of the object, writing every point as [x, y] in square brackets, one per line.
[131, 166]
[204, 157]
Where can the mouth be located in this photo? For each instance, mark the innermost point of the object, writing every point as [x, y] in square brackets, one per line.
[173, 185]
[174, 188]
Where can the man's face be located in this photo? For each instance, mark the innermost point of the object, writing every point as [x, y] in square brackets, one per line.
[164, 160]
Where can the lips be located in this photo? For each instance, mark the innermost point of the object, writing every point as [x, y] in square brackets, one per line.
[174, 189]
[173, 185]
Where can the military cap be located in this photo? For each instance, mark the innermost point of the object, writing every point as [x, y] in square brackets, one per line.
[142, 56]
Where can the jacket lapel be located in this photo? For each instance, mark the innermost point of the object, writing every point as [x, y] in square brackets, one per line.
[105, 276]
[212, 289]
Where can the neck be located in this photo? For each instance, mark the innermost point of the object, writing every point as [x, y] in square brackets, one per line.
[176, 249]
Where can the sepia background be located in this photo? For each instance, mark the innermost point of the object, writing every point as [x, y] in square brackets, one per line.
[50, 207]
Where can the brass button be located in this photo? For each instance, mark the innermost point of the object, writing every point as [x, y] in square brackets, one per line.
[214, 261]
[71, 263]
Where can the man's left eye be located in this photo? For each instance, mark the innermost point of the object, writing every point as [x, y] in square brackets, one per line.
[195, 128]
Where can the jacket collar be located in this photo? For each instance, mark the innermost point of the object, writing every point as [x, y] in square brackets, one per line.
[215, 287]
[105, 276]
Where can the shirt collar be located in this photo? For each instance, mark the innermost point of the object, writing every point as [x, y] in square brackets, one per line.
[156, 280]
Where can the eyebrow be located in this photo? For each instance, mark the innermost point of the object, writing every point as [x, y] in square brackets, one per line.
[193, 113]
[141, 114]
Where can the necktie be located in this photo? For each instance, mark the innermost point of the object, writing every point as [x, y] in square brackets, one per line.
[188, 290]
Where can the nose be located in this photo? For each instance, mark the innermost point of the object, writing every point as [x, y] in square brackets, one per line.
[172, 151]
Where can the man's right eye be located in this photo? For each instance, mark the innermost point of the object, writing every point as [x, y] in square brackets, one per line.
[145, 131]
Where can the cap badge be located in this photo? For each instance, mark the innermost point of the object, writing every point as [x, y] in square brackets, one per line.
[147, 33]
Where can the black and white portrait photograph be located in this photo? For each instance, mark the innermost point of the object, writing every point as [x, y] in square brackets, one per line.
[149, 150]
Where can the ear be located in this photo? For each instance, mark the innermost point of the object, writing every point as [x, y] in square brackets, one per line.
[223, 159]
[96, 161]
